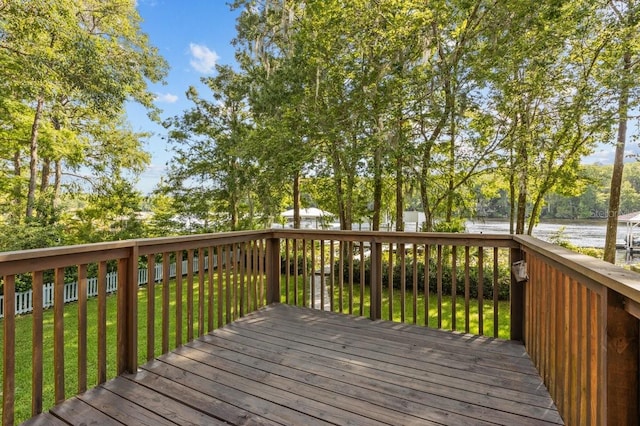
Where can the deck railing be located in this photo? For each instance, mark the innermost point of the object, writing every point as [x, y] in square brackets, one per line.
[577, 316]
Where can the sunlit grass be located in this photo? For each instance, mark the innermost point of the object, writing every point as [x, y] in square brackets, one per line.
[351, 303]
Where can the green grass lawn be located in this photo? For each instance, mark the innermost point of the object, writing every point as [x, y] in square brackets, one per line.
[24, 325]
[446, 310]
[24, 330]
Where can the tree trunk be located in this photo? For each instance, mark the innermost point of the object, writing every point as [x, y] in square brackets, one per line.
[17, 169]
[521, 207]
[46, 172]
[296, 200]
[618, 165]
[33, 163]
[57, 183]
[452, 155]
[399, 196]
[377, 189]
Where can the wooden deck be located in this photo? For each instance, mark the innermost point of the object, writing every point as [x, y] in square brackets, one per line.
[297, 366]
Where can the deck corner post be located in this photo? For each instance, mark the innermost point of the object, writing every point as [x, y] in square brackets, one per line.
[517, 320]
[128, 312]
[376, 281]
[273, 270]
[622, 355]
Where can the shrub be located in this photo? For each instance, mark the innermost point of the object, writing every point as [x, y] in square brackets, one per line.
[504, 278]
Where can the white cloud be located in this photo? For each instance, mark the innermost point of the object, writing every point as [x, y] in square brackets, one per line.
[203, 59]
[167, 98]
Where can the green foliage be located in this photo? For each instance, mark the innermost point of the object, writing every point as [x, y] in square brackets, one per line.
[67, 69]
[589, 202]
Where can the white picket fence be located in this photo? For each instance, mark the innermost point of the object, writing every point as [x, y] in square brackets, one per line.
[24, 300]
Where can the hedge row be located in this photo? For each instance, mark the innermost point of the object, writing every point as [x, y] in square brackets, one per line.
[504, 280]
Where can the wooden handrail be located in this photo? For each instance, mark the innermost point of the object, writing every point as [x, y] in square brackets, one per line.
[572, 308]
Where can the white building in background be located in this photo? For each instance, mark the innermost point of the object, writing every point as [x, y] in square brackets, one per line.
[310, 218]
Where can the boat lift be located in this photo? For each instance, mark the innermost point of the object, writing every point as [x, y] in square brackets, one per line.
[632, 236]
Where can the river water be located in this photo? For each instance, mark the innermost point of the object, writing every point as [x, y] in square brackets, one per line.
[586, 233]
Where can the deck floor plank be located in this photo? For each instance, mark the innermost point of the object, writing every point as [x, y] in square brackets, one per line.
[161, 404]
[289, 365]
[398, 343]
[377, 378]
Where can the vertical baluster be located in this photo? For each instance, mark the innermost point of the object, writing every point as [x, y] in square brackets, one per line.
[37, 342]
[256, 273]
[102, 322]
[480, 291]
[332, 262]
[496, 291]
[341, 277]
[295, 272]
[454, 285]
[427, 282]
[403, 282]
[166, 280]
[466, 289]
[227, 281]
[82, 328]
[575, 357]
[9, 346]
[390, 283]
[58, 334]
[287, 272]
[178, 298]
[312, 280]
[236, 275]
[219, 253]
[262, 268]
[439, 284]
[376, 280]
[322, 269]
[362, 262]
[210, 292]
[304, 273]
[557, 315]
[350, 247]
[201, 295]
[249, 272]
[415, 283]
[594, 356]
[583, 352]
[242, 267]
[151, 306]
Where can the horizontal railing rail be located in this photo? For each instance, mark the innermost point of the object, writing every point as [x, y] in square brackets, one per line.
[577, 316]
[24, 299]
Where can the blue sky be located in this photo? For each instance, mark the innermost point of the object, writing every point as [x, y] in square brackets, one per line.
[192, 35]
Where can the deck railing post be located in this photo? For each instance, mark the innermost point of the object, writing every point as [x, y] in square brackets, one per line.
[376, 281]
[127, 333]
[517, 301]
[622, 353]
[272, 266]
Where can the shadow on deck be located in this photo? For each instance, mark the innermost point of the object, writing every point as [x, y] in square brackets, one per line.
[290, 365]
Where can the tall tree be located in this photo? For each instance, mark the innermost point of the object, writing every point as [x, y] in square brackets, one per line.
[212, 163]
[623, 19]
[72, 63]
[544, 96]
[279, 77]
